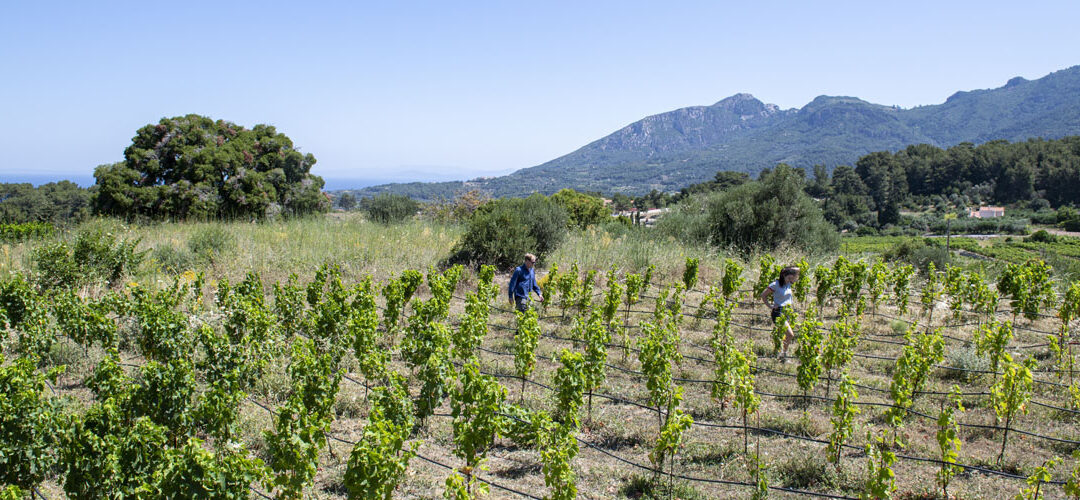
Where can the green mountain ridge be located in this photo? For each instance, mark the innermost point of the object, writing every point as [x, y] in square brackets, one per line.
[670, 150]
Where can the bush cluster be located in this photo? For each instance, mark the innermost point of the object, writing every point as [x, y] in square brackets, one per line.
[503, 230]
[94, 257]
[763, 215]
[387, 208]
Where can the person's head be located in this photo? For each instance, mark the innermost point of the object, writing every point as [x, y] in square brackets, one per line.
[788, 275]
[530, 260]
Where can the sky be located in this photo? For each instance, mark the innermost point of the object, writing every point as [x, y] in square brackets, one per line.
[411, 90]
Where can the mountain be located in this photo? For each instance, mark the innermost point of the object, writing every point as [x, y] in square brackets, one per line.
[741, 133]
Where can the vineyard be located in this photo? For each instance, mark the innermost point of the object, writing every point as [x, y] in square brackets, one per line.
[618, 385]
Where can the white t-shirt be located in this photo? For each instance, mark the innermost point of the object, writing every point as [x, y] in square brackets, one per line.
[781, 295]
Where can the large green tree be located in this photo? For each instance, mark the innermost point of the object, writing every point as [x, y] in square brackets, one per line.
[193, 167]
[582, 209]
[55, 202]
[772, 212]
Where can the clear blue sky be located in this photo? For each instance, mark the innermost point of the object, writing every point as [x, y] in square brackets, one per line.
[439, 90]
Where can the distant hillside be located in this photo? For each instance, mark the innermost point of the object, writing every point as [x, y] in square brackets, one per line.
[674, 149]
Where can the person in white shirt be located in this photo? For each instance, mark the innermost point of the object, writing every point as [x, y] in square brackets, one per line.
[778, 295]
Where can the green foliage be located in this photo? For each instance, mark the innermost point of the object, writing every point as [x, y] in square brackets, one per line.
[901, 279]
[23, 308]
[570, 383]
[612, 296]
[1072, 486]
[596, 337]
[16, 232]
[1041, 475]
[659, 348]
[948, 438]
[826, 281]
[690, 273]
[30, 424]
[558, 447]
[769, 213]
[809, 351]
[880, 479]
[389, 208]
[289, 305]
[931, 291]
[363, 329]
[458, 488]
[742, 367]
[840, 344]
[379, 459]
[426, 349]
[991, 339]
[1011, 393]
[209, 242]
[503, 230]
[84, 322]
[1029, 287]
[732, 279]
[768, 269]
[194, 472]
[475, 405]
[584, 293]
[843, 417]
[162, 333]
[676, 424]
[525, 342]
[566, 285]
[473, 325]
[327, 322]
[634, 286]
[302, 422]
[582, 210]
[192, 167]
[912, 370]
[166, 395]
[94, 257]
[918, 252]
[49, 204]
[107, 455]
[723, 345]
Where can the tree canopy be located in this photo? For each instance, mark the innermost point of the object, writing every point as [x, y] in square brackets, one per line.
[193, 167]
[55, 202]
[583, 210]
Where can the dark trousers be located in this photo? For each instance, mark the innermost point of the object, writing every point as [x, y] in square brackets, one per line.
[521, 303]
[776, 312]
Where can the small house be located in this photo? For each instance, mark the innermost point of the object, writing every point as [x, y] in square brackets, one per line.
[987, 212]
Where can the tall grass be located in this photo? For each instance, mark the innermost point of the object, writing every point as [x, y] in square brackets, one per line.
[275, 249]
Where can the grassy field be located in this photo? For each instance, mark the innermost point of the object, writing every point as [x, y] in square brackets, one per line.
[616, 439]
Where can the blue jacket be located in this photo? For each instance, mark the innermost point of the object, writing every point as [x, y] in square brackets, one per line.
[522, 282]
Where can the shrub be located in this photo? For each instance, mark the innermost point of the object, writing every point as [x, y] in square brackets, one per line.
[174, 260]
[388, 208]
[1041, 236]
[94, 257]
[502, 231]
[582, 210]
[918, 253]
[1071, 224]
[14, 233]
[770, 213]
[687, 221]
[209, 242]
[458, 209]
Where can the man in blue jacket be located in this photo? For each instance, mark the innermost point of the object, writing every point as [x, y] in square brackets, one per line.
[522, 282]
